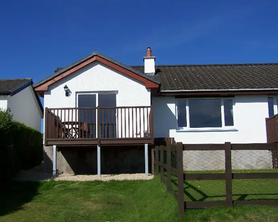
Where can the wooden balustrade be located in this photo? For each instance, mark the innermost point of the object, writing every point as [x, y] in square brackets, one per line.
[98, 123]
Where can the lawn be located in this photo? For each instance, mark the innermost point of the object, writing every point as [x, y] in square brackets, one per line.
[110, 201]
[215, 190]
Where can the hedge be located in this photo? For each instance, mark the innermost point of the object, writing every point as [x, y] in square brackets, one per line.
[20, 146]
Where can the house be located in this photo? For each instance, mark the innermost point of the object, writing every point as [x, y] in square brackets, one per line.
[19, 96]
[102, 115]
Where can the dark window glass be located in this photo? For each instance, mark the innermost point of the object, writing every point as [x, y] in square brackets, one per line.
[228, 112]
[87, 115]
[182, 113]
[88, 100]
[270, 107]
[205, 113]
[107, 117]
[107, 100]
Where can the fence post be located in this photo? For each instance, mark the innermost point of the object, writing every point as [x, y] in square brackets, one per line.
[45, 135]
[161, 164]
[156, 161]
[152, 161]
[180, 178]
[228, 172]
[169, 182]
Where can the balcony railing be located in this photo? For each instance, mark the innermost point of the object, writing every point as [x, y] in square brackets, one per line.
[98, 123]
[272, 129]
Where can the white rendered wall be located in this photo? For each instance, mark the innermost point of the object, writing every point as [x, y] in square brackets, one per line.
[97, 77]
[93, 78]
[25, 109]
[249, 119]
[149, 65]
[3, 102]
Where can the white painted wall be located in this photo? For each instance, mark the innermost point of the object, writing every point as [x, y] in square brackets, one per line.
[25, 109]
[249, 119]
[3, 102]
[97, 77]
[149, 65]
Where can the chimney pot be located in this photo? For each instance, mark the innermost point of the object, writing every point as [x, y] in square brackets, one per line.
[149, 63]
[149, 51]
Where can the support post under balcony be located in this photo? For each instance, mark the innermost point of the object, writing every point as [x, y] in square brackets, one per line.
[54, 174]
[98, 161]
[146, 160]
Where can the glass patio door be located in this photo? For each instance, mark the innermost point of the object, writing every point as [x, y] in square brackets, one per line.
[107, 115]
[88, 116]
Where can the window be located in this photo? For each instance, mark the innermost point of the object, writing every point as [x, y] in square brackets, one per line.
[107, 119]
[205, 113]
[272, 106]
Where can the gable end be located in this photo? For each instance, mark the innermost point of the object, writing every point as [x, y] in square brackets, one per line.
[44, 86]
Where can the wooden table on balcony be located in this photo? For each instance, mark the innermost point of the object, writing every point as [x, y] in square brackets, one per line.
[75, 129]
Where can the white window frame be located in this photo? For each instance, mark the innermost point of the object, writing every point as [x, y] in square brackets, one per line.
[97, 94]
[222, 128]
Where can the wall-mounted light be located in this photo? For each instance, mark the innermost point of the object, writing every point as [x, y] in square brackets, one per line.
[67, 90]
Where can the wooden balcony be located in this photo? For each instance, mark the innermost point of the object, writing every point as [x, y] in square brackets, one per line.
[99, 126]
[272, 129]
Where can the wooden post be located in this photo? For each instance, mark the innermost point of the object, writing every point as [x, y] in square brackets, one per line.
[156, 161]
[169, 182]
[180, 178]
[161, 164]
[228, 172]
[152, 161]
[46, 119]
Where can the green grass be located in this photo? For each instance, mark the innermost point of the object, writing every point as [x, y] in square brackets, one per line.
[112, 201]
[214, 190]
[236, 171]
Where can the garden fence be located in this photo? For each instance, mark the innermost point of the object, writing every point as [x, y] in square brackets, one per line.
[247, 176]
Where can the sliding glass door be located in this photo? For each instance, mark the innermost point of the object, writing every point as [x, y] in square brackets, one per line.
[107, 117]
[107, 114]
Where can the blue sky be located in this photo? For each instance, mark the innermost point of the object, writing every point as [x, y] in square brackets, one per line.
[37, 36]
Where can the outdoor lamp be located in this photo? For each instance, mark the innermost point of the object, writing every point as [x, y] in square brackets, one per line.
[67, 91]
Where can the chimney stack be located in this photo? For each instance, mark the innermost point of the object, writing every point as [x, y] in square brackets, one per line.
[149, 63]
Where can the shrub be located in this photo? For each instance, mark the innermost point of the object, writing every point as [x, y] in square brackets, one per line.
[20, 147]
[27, 144]
[7, 157]
[5, 119]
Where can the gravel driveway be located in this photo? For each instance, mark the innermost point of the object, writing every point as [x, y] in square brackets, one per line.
[36, 174]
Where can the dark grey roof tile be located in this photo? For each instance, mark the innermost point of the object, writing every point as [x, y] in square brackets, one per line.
[217, 77]
[12, 86]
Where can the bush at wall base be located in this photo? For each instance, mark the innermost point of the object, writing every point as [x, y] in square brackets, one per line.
[20, 146]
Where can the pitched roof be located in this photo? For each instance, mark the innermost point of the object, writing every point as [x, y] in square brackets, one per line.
[216, 77]
[59, 71]
[13, 86]
[10, 87]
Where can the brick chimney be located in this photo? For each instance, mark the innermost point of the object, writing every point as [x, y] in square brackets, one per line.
[149, 63]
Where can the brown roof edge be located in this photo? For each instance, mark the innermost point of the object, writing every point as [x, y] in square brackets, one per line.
[44, 84]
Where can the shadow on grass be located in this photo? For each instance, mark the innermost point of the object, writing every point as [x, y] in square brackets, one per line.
[237, 197]
[14, 194]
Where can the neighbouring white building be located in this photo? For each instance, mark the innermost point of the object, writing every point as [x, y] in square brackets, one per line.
[19, 96]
